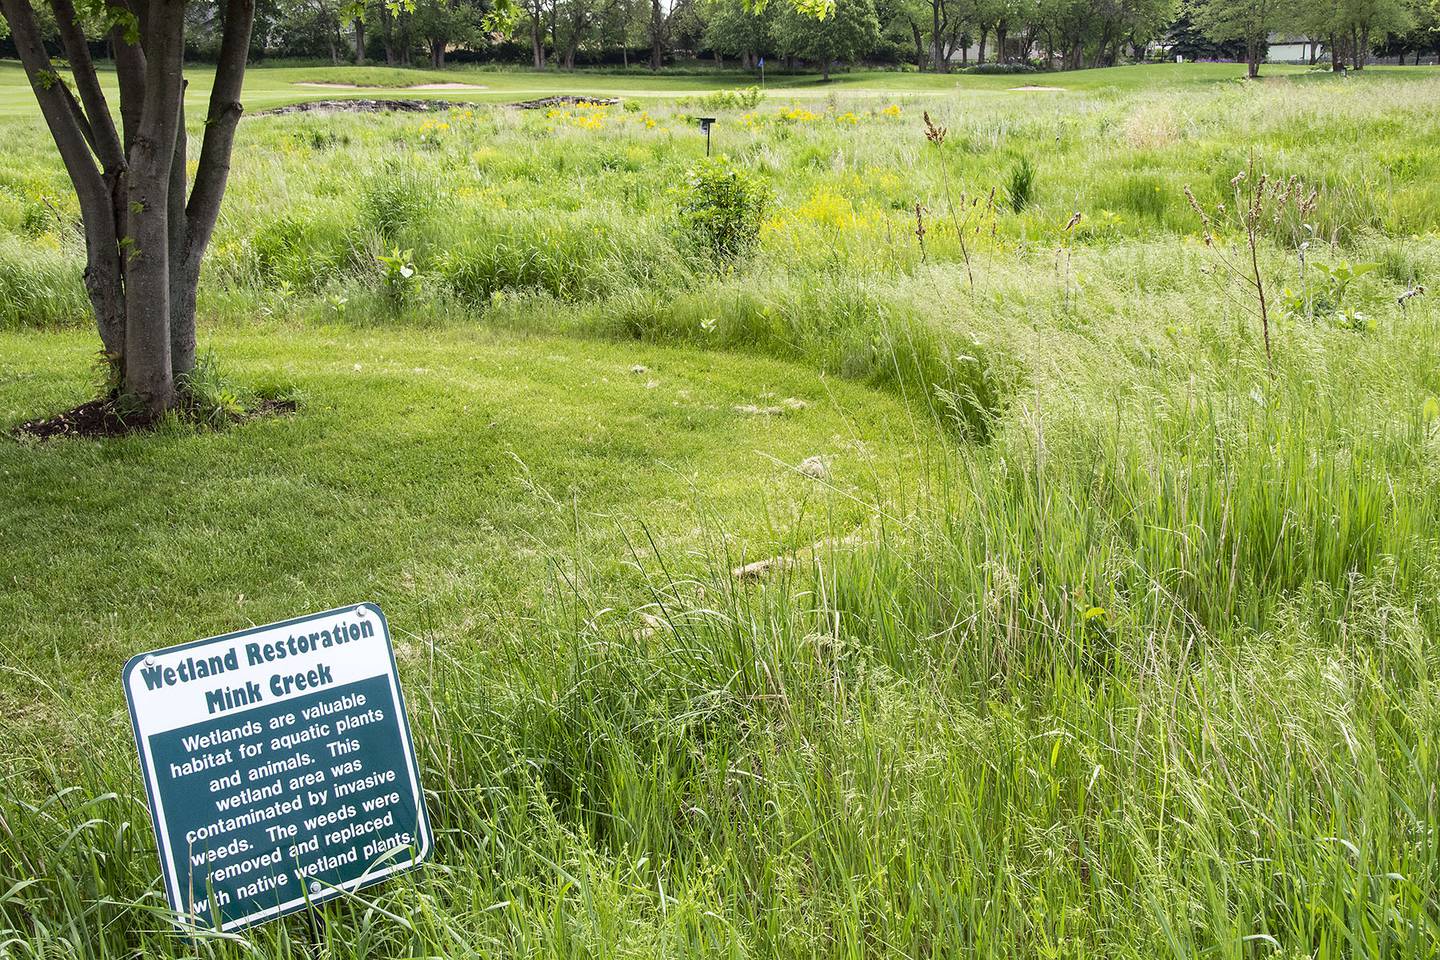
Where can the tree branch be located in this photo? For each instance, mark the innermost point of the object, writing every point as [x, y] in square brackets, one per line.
[163, 37]
[102, 126]
[129, 69]
[221, 119]
[65, 120]
[57, 106]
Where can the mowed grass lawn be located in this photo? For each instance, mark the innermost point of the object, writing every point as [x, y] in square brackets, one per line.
[456, 477]
[1102, 632]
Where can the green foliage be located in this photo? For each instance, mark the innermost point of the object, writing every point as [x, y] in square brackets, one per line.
[1091, 635]
[999, 69]
[397, 197]
[1324, 294]
[845, 35]
[1020, 189]
[398, 276]
[744, 98]
[721, 208]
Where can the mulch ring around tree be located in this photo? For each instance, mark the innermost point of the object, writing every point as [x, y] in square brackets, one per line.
[100, 418]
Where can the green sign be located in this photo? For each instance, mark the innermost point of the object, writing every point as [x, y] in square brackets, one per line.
[279, 766]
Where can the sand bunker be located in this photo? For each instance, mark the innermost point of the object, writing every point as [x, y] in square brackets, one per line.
[1031, 87]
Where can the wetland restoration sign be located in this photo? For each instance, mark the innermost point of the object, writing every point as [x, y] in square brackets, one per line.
[278, 764]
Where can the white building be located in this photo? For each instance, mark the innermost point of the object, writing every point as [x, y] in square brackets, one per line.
[1292, 49]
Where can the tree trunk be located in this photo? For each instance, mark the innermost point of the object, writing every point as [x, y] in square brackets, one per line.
[359, 42]
[387, 36]
[939, 55]
[1002, 32]
[1362, 48]
[537, 43]
[437, 54]
[826, 69]
[1252, 58]
[980, 53]
[144, 241]
[657, 25]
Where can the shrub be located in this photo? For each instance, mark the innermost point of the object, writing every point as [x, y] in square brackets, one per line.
[396, 198]
[722, 209]
[747, 98]
[1021, 189]
[1000, 68]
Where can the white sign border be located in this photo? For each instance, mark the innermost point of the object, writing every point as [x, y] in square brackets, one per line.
[168, 871]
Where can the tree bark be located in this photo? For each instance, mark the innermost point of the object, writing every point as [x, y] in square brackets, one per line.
[359, 42]
[939, 55]
[147, 369]
[657, 27]
[387, 36]
[537, 43]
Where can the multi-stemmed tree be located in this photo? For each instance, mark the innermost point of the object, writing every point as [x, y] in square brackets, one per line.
[146, 223]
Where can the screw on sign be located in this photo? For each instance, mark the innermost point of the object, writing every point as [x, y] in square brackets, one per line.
[279, 766]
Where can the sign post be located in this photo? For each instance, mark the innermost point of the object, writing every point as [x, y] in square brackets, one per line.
[279, 766]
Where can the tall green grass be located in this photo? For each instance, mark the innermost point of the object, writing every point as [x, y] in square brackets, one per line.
[1139, 663]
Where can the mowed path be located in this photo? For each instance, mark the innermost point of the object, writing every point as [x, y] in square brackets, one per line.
[465, 480]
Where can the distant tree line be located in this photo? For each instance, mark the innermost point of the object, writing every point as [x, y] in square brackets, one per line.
[930, 35]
